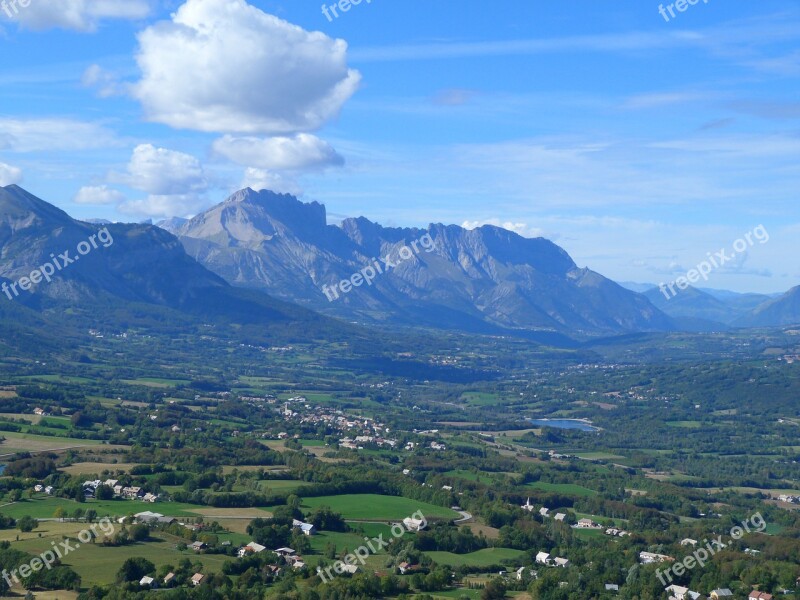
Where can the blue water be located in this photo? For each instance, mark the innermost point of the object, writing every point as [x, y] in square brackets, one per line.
[563, 424]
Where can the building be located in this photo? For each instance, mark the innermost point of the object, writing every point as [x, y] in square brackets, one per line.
[543, 558]
[560, 517]
[544, 511]
[251, 548]
[587, 524]
[528, 506]
[147, 581]
[755, 595]
[170, 577]
[197, 579]
[678, 592]
[561, 562]
[688, 542]
[721, 594]
[414, 524]
[648, 558]
[198, 546]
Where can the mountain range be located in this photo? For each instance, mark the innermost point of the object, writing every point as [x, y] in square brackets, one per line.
[267, 261]
[119, 275]
[486, 280]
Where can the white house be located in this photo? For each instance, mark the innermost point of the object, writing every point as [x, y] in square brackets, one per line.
[528, 506]
[561, 562]
[543, 558]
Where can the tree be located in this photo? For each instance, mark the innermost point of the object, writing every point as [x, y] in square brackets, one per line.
[494, 590]
[59, 513]
[103, 492]
[27, 524]
[134, 568]
[91, 515]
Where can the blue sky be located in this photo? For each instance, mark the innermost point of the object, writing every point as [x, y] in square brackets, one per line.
[636, 143]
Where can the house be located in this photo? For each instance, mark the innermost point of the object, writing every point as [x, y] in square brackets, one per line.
[721, 594]
[561, 562]
[147, 581]
[306, 528]
[112, 483]
[251, 548]
[197, 579]
[754, 595]
[612, 587]
[688, 542]
[285, 552]
[149, 498]
[543, 558]
[648, 558]
[349, 569]
[299, 564]
[49, 490]
[448, 488]
[544, 511]
[587, 524]
[560, 517]
[38, 411]
[198, 546]
[38, 488]
[528, 506]
[169, 578]
[678, 592]
[148, 517]
[414, 524]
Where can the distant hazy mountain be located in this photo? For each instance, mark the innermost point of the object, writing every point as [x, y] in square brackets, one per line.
[639, 288]
[172, 224]
[135, 271]
[784, 310]
[487, 279]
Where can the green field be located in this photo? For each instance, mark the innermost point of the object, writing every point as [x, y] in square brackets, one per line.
[43, 507]
[570, 489]
[482, 558]
[280, 485]
[378, 508]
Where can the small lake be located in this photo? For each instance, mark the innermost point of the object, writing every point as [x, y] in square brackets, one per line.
[564, 424]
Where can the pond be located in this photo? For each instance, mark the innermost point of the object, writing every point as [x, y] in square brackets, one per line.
[564, 424]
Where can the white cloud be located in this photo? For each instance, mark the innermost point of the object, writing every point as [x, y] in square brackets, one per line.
[164, 206]
[261, 179]
[519, 228]
[106, 82]
[100, 194]
[174, 181]
[78, 15]
[9, 175]
[163, 172]
[35, 135]
[301, 152]
[228, 67]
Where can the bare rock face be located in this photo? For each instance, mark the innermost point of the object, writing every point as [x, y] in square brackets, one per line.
[487, 279]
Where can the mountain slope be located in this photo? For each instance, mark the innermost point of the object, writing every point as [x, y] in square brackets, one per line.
[122, 274]
[781, 311]
[488, 279]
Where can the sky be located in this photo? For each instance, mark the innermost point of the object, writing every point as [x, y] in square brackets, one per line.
[640, 140]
